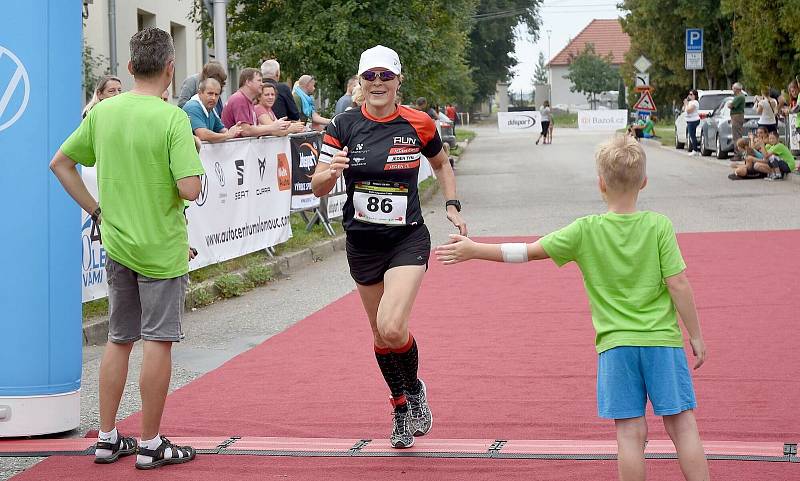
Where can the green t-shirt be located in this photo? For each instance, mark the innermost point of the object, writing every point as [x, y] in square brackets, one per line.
[737, 104]
[648, 127]
[783, 152]
[141, 146]
[624, 259]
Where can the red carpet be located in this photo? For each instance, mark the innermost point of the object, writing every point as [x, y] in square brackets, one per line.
[507, 352]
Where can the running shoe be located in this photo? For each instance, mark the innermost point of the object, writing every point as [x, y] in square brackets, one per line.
[420, 411]
[402, 430]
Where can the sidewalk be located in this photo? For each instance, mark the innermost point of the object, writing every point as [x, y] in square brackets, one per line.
[793, 177]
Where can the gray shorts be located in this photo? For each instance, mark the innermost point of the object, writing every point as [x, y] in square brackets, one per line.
[141, 307]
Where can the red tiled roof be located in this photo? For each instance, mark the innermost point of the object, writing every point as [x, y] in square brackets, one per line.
[606, 36]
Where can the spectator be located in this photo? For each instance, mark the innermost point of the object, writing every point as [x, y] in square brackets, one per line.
[422, 105]
[302, 93]
[450, 111]
[212, 69]
[766, 106]
[107, 86]
[737, 114]
[200, 109]
[779, 159]
[346, 100]
[284, 103]
[143, 176]
[357, 98]
[748, 156]
[692, 108]
[240, 109]
[266, 117]
[547, 118]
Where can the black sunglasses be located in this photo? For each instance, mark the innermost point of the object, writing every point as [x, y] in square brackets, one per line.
[385, 75]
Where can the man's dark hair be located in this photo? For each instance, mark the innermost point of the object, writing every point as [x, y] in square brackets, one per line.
[421, 102]
[215, 70]
[151, 49]
[247, 75]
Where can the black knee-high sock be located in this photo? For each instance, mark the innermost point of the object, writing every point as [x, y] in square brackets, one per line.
[393, 375]
[408, 359]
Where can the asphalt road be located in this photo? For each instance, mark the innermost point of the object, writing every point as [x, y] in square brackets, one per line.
[508, 186]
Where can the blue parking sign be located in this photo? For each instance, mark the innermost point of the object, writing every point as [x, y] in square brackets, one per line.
[694, 39]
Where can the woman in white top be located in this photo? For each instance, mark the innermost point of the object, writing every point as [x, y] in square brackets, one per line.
[546, 119]
[766, 106]
[692, 108]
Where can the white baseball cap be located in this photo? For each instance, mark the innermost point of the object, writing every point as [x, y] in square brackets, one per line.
[379, 57]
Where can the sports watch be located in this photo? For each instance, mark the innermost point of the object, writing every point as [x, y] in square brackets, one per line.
[453, 202]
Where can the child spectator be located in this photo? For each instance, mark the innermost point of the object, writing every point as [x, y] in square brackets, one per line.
[779, 158]
[635, 279]
[747, 156]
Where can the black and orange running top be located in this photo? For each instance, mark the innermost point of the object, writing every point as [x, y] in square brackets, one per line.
[384, 153]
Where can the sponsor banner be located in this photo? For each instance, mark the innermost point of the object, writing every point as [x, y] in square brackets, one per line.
[305, 154]
[602, 119]
[525, 121]
[794, 136]
[335, 199]
[243, 207]
[93, 265]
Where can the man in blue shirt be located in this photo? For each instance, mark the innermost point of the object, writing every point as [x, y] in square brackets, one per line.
[206, 125]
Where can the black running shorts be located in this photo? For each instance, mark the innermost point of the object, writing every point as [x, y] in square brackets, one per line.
[370, 254]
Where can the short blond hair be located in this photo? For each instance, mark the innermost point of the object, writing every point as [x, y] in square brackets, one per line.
[621, 163]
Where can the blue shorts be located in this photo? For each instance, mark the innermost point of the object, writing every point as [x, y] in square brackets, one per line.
[628, 375]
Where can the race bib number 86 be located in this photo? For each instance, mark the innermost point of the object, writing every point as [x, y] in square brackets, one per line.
[377, 202]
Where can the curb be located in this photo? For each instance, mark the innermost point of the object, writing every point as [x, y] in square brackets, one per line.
[793, 177]
[95, 332]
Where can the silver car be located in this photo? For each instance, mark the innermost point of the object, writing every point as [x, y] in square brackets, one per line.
[715, 130]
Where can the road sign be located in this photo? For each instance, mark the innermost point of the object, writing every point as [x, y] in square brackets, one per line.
[645, 102]
[641, 79]
[694, 61]
[642, 64]
[643, 88]
[694, 40]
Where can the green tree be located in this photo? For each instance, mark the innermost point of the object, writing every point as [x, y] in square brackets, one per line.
[492, 41]
[540, 75]
[657, 31]
[591, 74]
[91, 64]
[766, 37]
[326, 37]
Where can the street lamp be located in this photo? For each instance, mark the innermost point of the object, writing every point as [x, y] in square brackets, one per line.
[550, 79]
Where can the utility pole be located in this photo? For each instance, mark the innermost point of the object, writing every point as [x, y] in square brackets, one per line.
[221, 37]
[549, 79]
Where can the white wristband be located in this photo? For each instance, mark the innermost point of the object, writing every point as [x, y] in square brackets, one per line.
[517, 252]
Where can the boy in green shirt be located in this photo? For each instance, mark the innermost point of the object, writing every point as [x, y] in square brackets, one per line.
[147, 165]
[778, 159]
[634, 276]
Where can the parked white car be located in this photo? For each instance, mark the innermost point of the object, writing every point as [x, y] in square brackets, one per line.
[709, 99]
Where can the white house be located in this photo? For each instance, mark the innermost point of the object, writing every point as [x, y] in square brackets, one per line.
[607, 37]
[115, 21]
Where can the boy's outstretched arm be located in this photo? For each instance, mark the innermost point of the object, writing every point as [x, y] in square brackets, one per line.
[683, 297]
[463, 249]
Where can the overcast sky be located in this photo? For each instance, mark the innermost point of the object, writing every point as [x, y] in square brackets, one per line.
[565, 19]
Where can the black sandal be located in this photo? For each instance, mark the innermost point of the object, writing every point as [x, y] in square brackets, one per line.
[123, 447]
[187, 453]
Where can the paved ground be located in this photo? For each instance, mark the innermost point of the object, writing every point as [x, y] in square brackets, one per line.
[508, 186]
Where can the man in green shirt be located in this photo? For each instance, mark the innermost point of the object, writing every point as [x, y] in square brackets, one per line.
[737, 113]
[147, 165]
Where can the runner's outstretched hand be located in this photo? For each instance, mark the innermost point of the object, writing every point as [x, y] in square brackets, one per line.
[454, 216]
